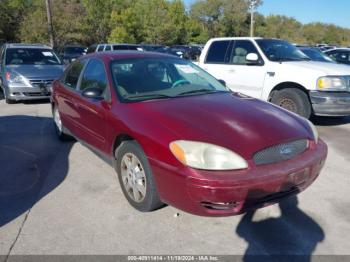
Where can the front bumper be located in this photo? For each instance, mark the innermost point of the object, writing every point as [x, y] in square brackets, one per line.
[27, 93]
[330, 103]
[224, 193]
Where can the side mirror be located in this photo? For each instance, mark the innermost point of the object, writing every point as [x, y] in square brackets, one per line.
[252, 58]
[92, 92]
[222, 82]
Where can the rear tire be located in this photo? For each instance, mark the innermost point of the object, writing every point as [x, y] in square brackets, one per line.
[294, 100]
[59, 127]
[136, 178]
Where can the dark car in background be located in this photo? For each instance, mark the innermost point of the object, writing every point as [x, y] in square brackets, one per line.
[27, 71]
[188, 51]
[315, 54]
[69, 53]
[340, 55]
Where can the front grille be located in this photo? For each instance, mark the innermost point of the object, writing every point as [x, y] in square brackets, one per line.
[40, 82]
[280, 152]
[36, 94]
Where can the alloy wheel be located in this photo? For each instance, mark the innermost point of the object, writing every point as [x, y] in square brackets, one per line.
[133, 177]
[57, 119]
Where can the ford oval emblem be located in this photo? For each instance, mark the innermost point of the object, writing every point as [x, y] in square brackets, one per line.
[286, 150]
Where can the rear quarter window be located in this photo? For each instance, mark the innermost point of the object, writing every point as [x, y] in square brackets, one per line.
[217, 52]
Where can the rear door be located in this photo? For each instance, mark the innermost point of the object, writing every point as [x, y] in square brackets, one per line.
[216, 61]
[92, 112]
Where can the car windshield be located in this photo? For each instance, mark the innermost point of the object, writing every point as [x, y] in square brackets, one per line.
[316, 55]
[280, 51]
[140, 79]
[31, 56]
[74, 50]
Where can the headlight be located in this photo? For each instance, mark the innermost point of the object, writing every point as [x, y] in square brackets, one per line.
[206, 156]
[332, 83]
[14, 78]
[314, 130]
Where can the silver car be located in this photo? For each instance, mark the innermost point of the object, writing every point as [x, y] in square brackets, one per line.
[27, 71]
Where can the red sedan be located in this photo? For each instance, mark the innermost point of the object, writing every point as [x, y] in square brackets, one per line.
[176, 135]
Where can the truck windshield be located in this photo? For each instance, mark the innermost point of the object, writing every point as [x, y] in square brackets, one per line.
[31, 56]
[280, 51]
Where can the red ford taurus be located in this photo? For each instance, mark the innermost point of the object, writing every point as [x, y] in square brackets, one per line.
[176, 135]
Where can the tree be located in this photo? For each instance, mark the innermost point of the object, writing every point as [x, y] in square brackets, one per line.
[11, 17]
[283, 27]
[222, 17]
[68, 18]
[150, 21]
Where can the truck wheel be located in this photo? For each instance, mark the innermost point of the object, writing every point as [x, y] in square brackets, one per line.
[294, 100]
[136, 178]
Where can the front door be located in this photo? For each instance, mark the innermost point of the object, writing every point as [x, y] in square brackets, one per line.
[244, 76]
[92, 112]
[226, 60]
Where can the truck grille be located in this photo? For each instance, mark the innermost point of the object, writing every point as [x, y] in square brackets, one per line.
[280, 152]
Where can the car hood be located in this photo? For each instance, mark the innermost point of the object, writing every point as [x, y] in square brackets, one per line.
[322, 68]
[37, 71]
[244, 125]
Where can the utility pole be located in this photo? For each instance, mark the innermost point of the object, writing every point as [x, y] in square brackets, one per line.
[252, 6]
[49, 22]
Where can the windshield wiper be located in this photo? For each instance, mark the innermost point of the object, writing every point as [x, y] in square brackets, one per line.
[147, 96]
[286, 59]
[198, 91]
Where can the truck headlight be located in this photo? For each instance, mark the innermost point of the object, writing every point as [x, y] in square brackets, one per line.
[332, 83]
[206, 156]
[313, 129]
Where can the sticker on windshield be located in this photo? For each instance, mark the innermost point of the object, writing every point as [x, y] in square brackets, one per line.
[47, 53]
[187, 69]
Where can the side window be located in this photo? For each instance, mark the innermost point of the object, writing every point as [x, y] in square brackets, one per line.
[73, 73]
[341, 56]
[94, 75]
[217, 52]
[108, 48]
[240, 50]
[100, 48]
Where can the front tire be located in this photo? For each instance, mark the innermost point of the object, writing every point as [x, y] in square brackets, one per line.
[7, 99]
[136, 178]
[294, 100]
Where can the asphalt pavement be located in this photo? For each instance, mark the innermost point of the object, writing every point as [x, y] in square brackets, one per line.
[60, 198]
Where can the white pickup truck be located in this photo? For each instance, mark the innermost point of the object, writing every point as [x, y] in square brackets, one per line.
[276, 71]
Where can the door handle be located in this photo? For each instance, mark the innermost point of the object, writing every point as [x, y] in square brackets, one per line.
[231, 70]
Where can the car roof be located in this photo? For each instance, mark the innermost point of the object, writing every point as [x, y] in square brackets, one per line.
[19, 45]
[125, 54]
